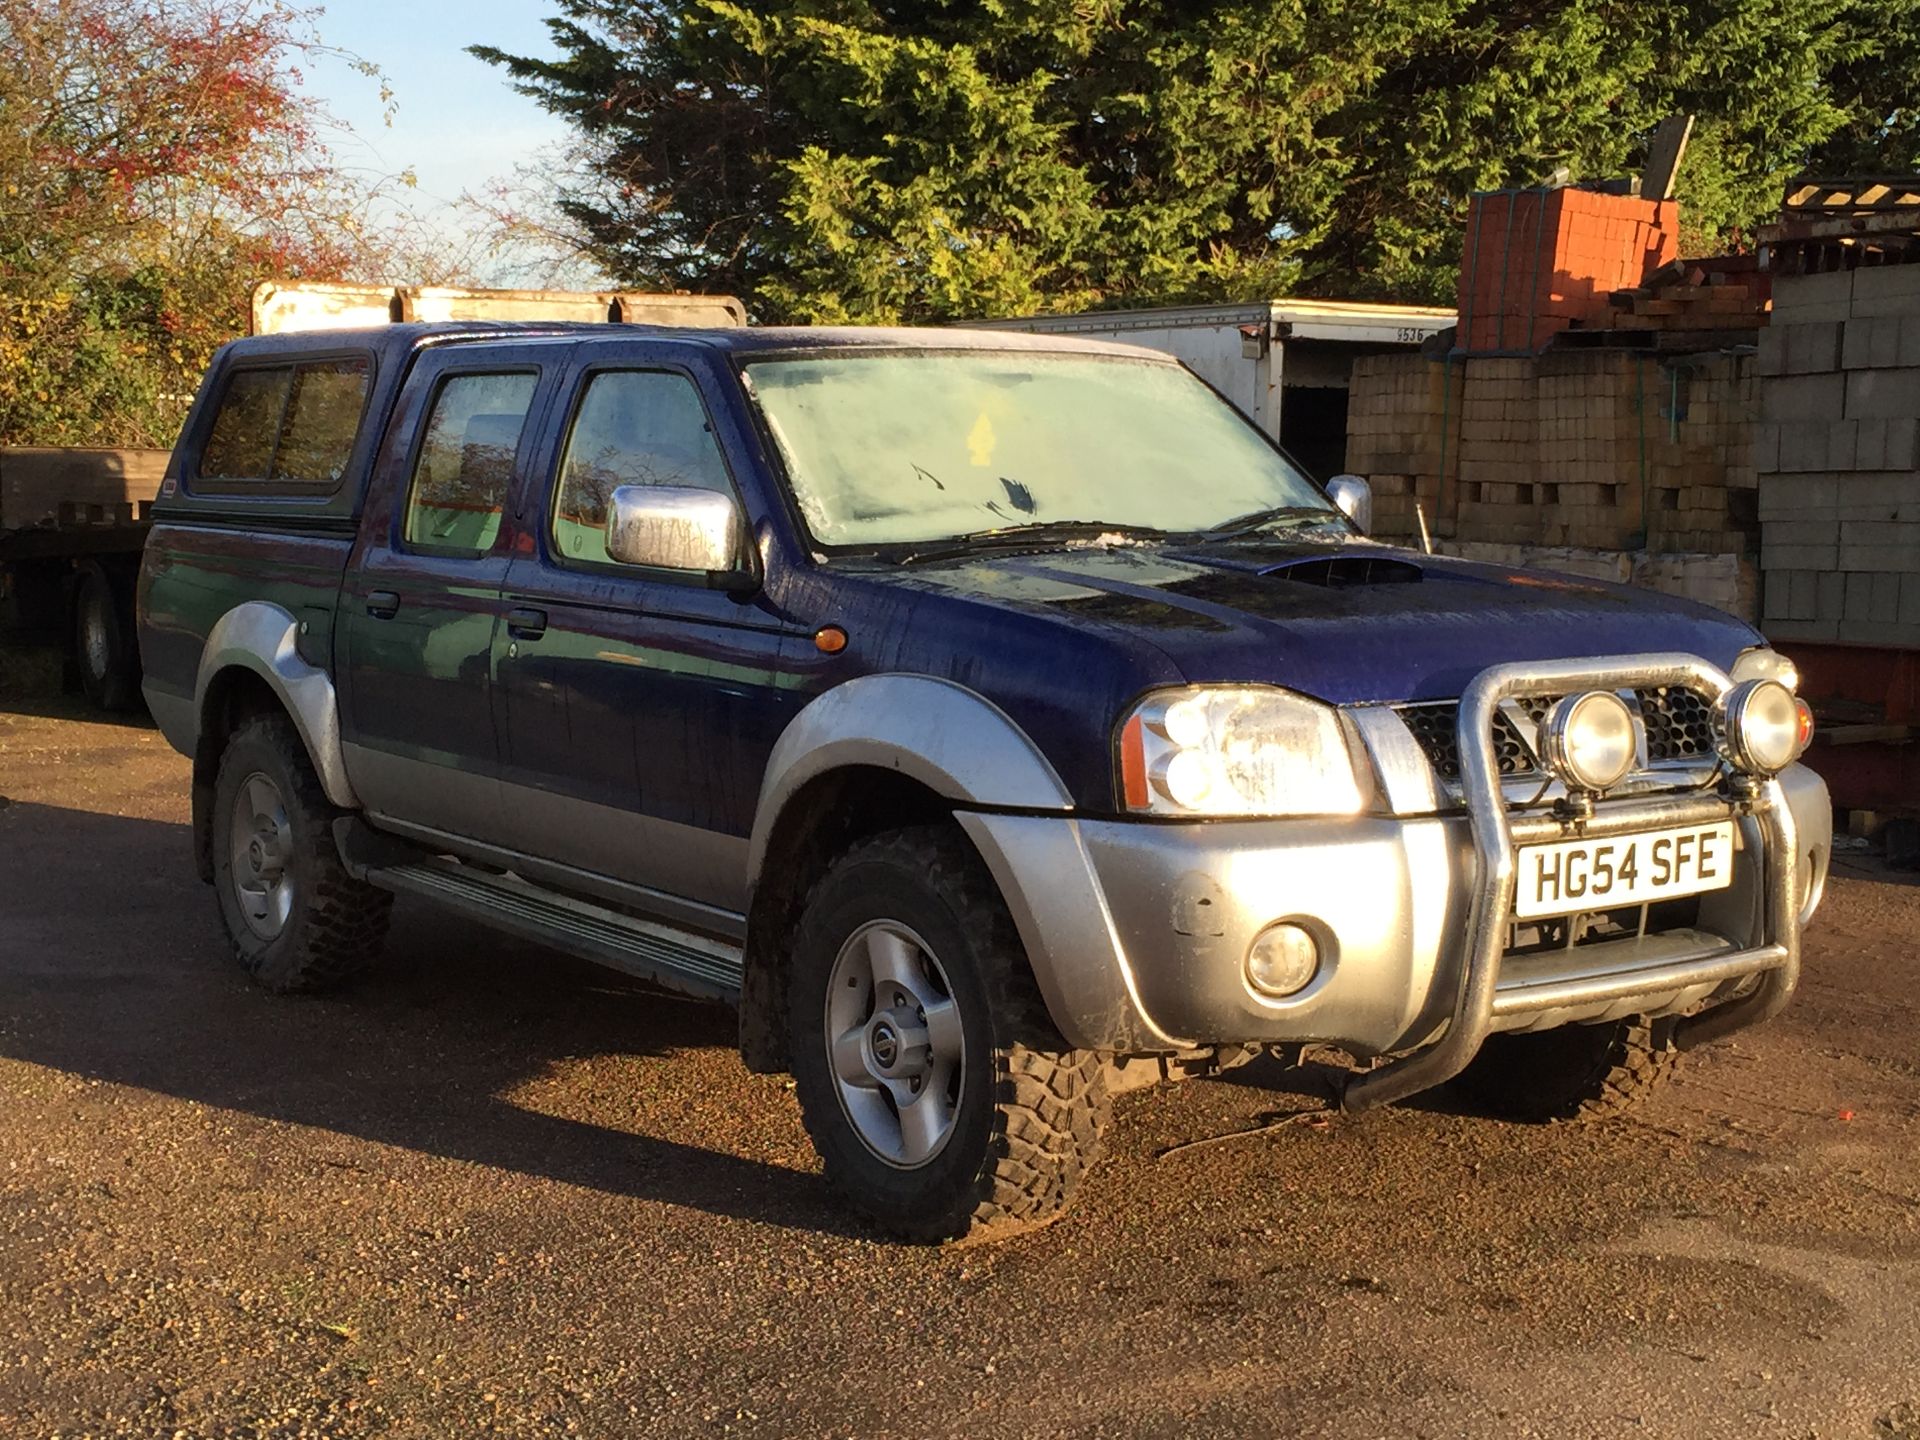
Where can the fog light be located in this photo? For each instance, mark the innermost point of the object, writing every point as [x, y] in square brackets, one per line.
[1588, 740]
[1760, 726]
[1282, 960]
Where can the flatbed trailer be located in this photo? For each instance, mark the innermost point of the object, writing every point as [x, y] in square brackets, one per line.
[72, 523]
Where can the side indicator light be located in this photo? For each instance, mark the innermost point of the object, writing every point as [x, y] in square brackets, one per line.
[1133, 765]
[829, 639]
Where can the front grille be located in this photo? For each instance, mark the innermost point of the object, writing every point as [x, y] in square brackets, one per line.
[1679, 723]
[1435, 727]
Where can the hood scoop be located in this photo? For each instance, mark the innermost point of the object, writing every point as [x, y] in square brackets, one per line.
[1339, 572]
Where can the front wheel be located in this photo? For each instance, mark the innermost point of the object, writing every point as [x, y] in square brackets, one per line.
[296, 919]
[1574, 1072]
[940, 1097]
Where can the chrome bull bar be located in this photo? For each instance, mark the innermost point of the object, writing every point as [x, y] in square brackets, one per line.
[1496, 836]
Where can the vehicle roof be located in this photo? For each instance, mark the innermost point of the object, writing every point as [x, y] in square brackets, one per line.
[739, 341]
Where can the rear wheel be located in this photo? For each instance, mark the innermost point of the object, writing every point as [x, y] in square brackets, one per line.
[104, 650]
[296, 919]
[1575, 1072]
[940, 1097]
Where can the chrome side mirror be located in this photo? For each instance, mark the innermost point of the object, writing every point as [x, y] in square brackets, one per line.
[1355, 497]
[677, 527]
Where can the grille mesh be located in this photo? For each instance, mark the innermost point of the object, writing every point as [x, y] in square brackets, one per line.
[1679, 725]
[1435, 728]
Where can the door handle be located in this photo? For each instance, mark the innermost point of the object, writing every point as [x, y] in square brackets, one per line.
[525, 624]
[382, 604]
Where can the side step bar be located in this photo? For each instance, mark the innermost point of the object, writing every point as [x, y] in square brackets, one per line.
[693, 964]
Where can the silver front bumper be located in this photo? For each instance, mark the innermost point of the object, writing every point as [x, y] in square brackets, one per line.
[1138, 931]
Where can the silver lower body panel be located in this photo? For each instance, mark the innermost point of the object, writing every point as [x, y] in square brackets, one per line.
[1138, 931]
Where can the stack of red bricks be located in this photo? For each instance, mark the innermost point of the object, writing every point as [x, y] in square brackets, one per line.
[1537, 262]
[1725, 294]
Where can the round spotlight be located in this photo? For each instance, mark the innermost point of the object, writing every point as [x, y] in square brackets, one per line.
[1588, 740]
[1760, 727]
[1282, 960]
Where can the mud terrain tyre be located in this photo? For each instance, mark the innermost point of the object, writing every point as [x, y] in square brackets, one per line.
[936, 1089]
[1576, 1072]
[296, 919]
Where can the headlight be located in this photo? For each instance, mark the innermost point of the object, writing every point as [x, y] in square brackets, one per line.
[1764, 663]
[1761, 726]
[1236, 750]
[1588, 740]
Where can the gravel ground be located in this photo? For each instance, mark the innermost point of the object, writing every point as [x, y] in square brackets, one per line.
[493, 1191]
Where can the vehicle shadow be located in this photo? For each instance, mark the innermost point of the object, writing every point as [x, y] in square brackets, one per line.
[33, 682]
[73, 707]
[132, 985]
[1324, 1083]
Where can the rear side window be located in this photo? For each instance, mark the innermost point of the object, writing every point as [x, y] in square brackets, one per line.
[465, 463]
[291, 425]
[634, 427]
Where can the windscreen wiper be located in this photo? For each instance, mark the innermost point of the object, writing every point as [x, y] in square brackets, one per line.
[1279, 517]
[1033, 534]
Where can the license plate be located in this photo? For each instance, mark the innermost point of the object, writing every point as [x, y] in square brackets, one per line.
[1574, 875]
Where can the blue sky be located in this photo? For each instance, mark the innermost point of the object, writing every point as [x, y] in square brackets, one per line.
[457, 124]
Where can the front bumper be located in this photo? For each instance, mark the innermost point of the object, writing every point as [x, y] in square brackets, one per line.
[1138, 930]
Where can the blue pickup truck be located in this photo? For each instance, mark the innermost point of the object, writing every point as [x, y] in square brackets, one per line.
[1000, 722]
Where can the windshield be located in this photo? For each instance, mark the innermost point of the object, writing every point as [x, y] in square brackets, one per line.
[908, 448]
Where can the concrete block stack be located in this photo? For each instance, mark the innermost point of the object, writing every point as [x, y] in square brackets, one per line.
[1556, 445]
[1500, 494]
[1837, 450]
[1585, 448]
[1699, 414]
[1397, 413]
[1589, 455]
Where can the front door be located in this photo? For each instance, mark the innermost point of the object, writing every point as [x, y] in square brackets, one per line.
[640, 706]
[423, 598]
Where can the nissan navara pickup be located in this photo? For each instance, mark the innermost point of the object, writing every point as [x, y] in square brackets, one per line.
[999, 722]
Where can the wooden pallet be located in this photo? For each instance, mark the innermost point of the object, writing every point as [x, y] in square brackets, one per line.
[1813, 197]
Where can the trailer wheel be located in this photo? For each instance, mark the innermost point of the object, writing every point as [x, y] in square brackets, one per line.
[104, 650]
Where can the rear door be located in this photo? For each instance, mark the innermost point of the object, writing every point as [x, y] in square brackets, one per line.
[640, 706]
[423, 595]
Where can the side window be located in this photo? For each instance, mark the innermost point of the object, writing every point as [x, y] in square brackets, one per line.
[634, 427]
[323, 416]
[465, 464]
[246, 425]
[293, 424]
